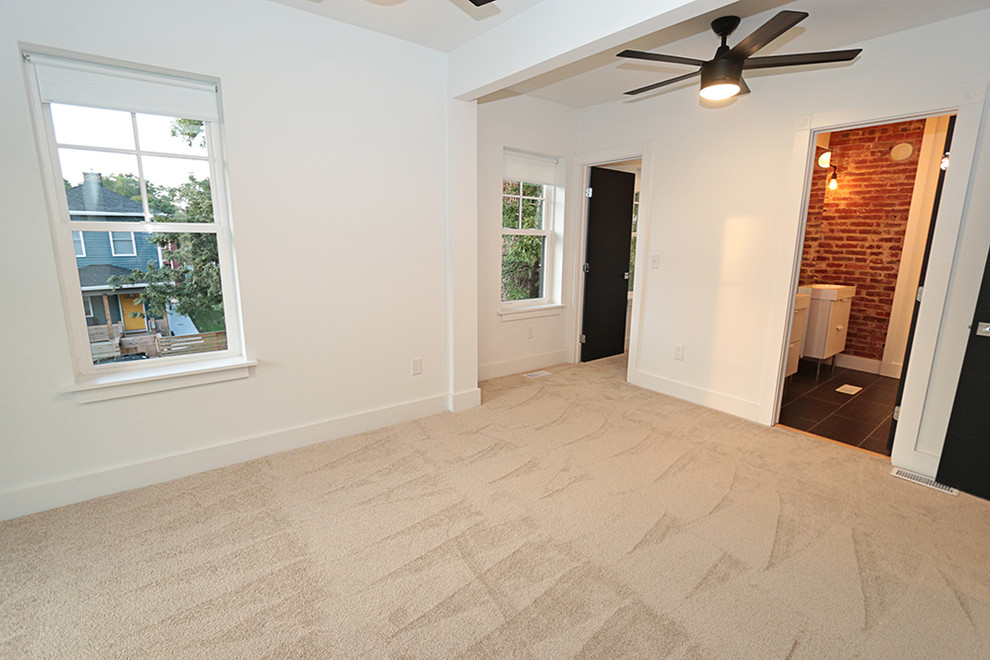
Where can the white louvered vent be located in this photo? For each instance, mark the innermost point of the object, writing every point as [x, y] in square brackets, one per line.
[923, 480]
[537, 374]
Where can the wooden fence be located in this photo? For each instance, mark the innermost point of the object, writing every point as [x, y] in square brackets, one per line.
[201, 343]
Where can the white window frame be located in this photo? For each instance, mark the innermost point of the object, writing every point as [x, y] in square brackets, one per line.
[162, 87]
[88, 306]
[113, 247]
[526, 167]
[546, 232]
[81, 244]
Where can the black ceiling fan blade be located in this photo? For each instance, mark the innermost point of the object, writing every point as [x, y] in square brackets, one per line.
[663, 83]
[660, 57]
[743, 88]
[480, 3]
[801, 58]
[767, 32]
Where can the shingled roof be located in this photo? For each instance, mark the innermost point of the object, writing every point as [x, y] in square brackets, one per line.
[91, 196]
[98, 274]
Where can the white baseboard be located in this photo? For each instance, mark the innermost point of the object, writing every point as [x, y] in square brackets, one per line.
[891, 370]
[78, 488]
[464, 400]
[521, 365]
[726, 403]
[857, 363]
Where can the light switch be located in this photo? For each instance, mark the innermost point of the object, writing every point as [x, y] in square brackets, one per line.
[654, 261]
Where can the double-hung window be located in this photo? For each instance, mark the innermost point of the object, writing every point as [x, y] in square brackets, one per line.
[139, 216]
[528, 246]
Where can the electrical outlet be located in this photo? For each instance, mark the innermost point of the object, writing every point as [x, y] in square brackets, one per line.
[678, 351]
[530, 332]
[417, 366]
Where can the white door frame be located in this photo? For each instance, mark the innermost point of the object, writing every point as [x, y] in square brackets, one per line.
[578, 247]
[960, 240]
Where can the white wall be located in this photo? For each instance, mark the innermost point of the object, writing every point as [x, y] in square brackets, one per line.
[505, 344]
[725, 201]
[336, 143]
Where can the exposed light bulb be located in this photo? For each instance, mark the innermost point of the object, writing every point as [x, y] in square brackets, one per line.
[833, 181]
[945, 161]
[720, 92]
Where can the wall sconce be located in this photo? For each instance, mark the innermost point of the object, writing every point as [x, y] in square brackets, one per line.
[833, 181]
[825, 159]
[944, 165]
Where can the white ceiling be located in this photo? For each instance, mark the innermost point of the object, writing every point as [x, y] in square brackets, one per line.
[438, 24]
[833, 24]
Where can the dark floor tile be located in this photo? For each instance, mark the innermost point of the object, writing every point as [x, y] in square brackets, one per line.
[806, 373]
[884, 390]
[844, 429]
[869, 412]
[810, 408]
[876, 442]
[795, 422]
[859, 378]
[884, 428]
[827, 392]
[794, 391]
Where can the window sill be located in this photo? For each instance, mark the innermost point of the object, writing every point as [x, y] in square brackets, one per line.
[535, 311]
[103, 387]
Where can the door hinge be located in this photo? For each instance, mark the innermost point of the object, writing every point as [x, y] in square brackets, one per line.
[588, 192]
[586, 268]
[921, 291]
[583, 339]
[897, 413]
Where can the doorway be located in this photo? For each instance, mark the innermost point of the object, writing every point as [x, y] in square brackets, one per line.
[609, 261]
[871, 203]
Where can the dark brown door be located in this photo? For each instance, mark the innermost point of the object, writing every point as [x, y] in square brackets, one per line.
[965, 461]
[606, 279]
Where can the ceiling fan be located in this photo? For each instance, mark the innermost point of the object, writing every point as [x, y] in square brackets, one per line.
[721, 76]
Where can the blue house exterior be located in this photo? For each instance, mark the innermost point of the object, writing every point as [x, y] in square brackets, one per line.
[101, 255]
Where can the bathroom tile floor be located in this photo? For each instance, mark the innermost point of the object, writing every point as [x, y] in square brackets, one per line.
[861, 419]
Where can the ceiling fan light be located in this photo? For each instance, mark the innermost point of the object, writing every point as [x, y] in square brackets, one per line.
[721, 79]
[719, 91]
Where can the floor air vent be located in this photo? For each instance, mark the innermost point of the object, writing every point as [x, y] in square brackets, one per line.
[923, 480]
[537, 374]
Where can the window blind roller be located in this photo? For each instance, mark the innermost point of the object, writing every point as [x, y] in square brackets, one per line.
[518, 166]
[74, 82]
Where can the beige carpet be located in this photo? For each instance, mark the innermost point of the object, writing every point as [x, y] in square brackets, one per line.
[569, 516]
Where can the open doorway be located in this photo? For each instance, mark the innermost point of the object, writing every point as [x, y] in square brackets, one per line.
[609, 258]
[871, 205]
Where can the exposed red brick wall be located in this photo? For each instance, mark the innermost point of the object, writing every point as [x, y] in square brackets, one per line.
[855, 234]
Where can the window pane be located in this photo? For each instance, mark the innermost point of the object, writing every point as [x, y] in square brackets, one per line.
[171, 135]
[77, 243]
[92, 127]
[101, 186]
[522, 267]
[510, 212]
[144, 306]
[178, 189]
[510, 187]
[122, 244]
[532, 190]
[632, 262]
[532, 214]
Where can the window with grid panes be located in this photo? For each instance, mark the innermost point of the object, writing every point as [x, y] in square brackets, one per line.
[527, 249]
[134, 158]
